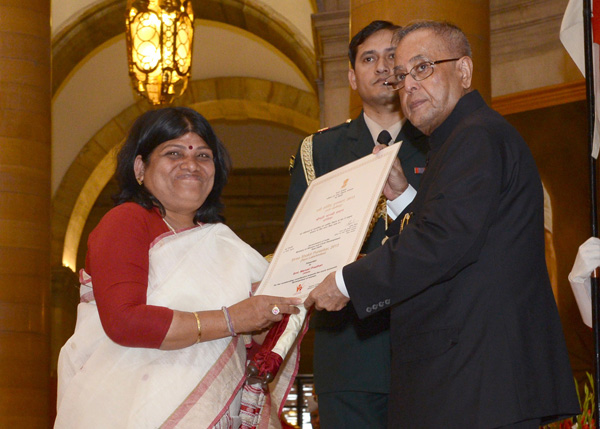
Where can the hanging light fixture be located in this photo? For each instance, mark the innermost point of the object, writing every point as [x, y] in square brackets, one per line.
[159, 47]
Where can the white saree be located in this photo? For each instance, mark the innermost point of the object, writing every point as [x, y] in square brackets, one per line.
[104, 385]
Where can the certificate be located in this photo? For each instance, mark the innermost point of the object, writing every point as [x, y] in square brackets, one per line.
[329, 226]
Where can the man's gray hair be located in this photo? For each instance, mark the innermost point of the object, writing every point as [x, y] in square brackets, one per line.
[455, 38]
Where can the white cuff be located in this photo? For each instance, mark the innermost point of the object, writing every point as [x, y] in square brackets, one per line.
[583, 293]
[339, 280]
[579, 280]
[397, 206]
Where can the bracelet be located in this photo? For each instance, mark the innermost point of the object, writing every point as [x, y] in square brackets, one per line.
[229, 321]
[199, 326]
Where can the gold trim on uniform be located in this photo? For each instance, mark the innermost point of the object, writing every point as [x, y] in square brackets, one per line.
[306, 154]
[380, 211]
[405, 220]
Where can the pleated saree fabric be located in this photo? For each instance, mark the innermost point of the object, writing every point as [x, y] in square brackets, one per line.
[105, 385]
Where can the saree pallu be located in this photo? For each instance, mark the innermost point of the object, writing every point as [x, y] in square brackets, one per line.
[104, 385]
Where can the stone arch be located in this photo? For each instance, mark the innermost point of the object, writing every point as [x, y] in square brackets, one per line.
[105, 20]
[236, 98]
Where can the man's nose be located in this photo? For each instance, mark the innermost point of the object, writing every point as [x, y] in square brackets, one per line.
[410, 83]
[383, 65]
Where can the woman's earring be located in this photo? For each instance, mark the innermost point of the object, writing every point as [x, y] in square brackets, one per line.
[140, 181]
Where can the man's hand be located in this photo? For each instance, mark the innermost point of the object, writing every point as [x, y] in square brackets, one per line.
[396, 183]
[326, 296]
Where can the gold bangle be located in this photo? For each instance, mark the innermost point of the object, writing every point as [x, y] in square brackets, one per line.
[199, 326]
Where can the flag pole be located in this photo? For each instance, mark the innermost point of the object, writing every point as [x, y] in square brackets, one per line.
[589, 73]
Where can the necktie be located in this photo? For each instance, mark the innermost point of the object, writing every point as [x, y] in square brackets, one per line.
[384, 137]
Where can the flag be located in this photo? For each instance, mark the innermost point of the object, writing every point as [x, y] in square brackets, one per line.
[571, 36]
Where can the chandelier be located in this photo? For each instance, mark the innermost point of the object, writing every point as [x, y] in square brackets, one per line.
[159, 47]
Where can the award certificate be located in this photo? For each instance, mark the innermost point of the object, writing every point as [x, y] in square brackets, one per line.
[329, 226]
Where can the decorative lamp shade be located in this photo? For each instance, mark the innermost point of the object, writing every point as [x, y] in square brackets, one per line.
[159, 47]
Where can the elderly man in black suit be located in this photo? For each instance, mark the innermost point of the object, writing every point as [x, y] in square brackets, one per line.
[476, 337]
[352, 394]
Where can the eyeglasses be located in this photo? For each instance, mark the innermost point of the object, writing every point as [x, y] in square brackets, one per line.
[421, 71]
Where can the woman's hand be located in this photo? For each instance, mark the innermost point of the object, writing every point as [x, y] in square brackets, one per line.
[260, 312]
[250, 315]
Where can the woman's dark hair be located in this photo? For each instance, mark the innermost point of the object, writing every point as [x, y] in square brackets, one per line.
[154, 128]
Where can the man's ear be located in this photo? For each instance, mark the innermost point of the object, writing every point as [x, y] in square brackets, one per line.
[352, 79]
[139, 168]
[465, 65]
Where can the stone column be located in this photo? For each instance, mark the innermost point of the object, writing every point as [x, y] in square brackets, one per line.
[331, 46]
[472, 16]
[24, 212]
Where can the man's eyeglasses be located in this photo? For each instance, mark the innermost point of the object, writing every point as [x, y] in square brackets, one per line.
[421, 71]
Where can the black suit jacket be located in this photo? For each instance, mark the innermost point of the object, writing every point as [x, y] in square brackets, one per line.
[476, 338]
[351, 354]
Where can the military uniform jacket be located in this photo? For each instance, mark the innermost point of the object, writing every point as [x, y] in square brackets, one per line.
[476, 337]
[351, 354]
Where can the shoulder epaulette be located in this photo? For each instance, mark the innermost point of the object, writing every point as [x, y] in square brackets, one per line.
[306, 152]
[306, 155]
[335, 127]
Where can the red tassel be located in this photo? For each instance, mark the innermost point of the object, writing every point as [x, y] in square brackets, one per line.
[268, 363]
[263, 366]
[274, 333]
[265, 362]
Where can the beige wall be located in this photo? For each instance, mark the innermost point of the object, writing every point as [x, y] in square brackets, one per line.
[525, 48]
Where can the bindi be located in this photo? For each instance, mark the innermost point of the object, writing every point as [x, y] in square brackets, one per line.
[190, 147]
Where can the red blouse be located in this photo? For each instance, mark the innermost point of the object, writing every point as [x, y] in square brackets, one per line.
[117, 261]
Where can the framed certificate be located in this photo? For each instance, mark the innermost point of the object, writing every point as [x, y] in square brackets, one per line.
[329, 226]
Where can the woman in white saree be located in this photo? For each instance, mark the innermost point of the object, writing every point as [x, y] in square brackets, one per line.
[165, 294]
